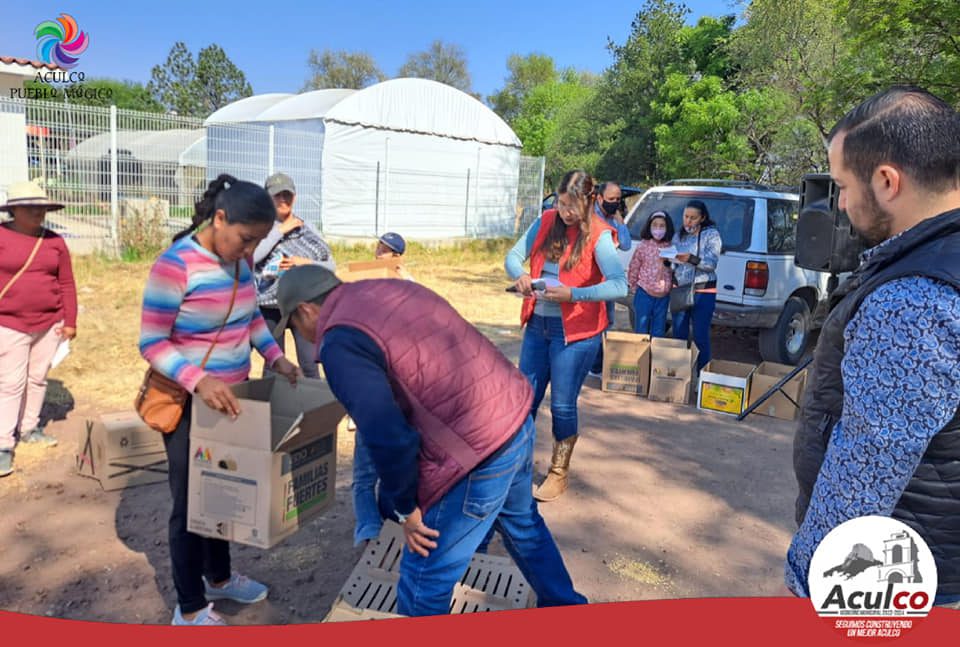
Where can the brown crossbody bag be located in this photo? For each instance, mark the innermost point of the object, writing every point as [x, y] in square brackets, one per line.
[160, 401]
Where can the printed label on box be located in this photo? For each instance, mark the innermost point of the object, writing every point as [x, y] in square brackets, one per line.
[306, 489]
[227, 497]
[721, 398]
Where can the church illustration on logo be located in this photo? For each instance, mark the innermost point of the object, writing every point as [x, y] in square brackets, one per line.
[900, 560]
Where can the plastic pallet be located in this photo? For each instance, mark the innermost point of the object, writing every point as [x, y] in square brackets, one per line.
[490, 583]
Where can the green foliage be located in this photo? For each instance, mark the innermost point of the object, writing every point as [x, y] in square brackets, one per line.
[198, 87]
[342, 69]
[218, 82]
[629, 87]
[707, 46]
[907, 41]
[697, 134]
[442, 62]
[526, 73]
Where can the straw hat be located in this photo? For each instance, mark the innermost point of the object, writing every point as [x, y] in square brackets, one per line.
[28, 194]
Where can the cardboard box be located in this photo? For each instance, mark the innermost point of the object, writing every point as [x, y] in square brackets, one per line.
[777, 405]
[385, 268]
[120, 451]
[725, 386]
[672, 367]
[626, 363]
[258, 479]
[490, 583]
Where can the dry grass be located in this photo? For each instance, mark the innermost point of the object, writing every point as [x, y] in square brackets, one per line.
[104, 368]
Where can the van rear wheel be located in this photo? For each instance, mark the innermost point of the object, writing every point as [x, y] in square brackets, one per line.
[787, 341]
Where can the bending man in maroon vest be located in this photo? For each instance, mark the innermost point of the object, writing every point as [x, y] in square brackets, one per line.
[446, 418]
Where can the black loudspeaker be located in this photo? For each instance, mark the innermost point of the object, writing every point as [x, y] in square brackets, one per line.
[826, 241]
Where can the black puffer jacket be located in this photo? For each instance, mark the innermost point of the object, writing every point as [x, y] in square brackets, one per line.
[930, 504]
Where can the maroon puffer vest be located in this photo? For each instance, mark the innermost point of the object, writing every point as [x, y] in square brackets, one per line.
[454, 386]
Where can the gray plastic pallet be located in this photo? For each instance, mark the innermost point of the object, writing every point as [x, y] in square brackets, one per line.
[490, 583]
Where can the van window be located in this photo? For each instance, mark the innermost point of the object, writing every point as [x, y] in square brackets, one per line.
[781, 226]
[732, 214]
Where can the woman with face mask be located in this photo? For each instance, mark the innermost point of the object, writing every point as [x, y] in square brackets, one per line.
[650, 279]
[199, 320]
[572, 250]
[698, 252]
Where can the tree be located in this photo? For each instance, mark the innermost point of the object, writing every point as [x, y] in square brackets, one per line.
[706, 130]
[171, 84]
[901, 41]
[797, 46]
[526, 73]
[342, 69]
[443, 62]
[622, 111]
[197, 88]
[218, 81]
[707, 45]
[697, 135]
[538, 120]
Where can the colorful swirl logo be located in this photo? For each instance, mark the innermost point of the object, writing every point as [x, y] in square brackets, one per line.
[60, 41]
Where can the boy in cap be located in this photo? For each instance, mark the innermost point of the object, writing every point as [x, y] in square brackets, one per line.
[390, 245]
[447, 421]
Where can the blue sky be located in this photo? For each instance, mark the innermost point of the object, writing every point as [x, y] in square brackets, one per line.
[270, 41]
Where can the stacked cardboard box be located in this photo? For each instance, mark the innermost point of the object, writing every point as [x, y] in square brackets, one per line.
[626, 363]
[490, 583]
[672, 367]
[725, 386]
[120, 451]
[385, 268]
[777, 405]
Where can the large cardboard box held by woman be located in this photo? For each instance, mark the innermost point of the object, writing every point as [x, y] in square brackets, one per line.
[257, 479]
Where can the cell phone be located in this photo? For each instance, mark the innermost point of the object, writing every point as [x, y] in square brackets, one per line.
[539, 285]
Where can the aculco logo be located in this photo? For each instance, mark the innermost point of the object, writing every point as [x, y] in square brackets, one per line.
[876, 570]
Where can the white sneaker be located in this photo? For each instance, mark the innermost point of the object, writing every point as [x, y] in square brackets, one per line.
[206, 618]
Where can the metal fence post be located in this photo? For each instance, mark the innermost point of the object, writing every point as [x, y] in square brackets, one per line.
[114, 196]
[386, 184]
[466, 207]
[543, 168]
[271, 153]
[376, 204]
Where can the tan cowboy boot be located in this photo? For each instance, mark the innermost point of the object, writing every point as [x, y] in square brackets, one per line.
[556, 482]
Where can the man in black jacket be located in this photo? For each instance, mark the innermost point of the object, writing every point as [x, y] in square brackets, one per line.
[879, 429]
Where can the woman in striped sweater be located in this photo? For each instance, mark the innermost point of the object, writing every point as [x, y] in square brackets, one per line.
[185, 303]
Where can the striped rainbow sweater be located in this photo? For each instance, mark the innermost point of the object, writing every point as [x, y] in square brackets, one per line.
[184, 302]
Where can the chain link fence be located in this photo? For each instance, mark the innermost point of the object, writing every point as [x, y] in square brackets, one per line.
[130, 179]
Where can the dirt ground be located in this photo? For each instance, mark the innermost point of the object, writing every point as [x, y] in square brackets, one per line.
[665, 502]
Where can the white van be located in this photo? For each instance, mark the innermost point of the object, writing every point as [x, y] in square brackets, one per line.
[758, 284]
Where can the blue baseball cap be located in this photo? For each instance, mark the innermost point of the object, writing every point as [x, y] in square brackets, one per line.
[394, 241]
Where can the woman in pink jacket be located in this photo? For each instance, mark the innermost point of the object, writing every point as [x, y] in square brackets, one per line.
[650, 278]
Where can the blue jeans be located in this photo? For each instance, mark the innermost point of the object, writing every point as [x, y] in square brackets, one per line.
[611, 314]
[546, 358]
[498, 493]
[365, 508]
[702, 313]
[650, 313]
